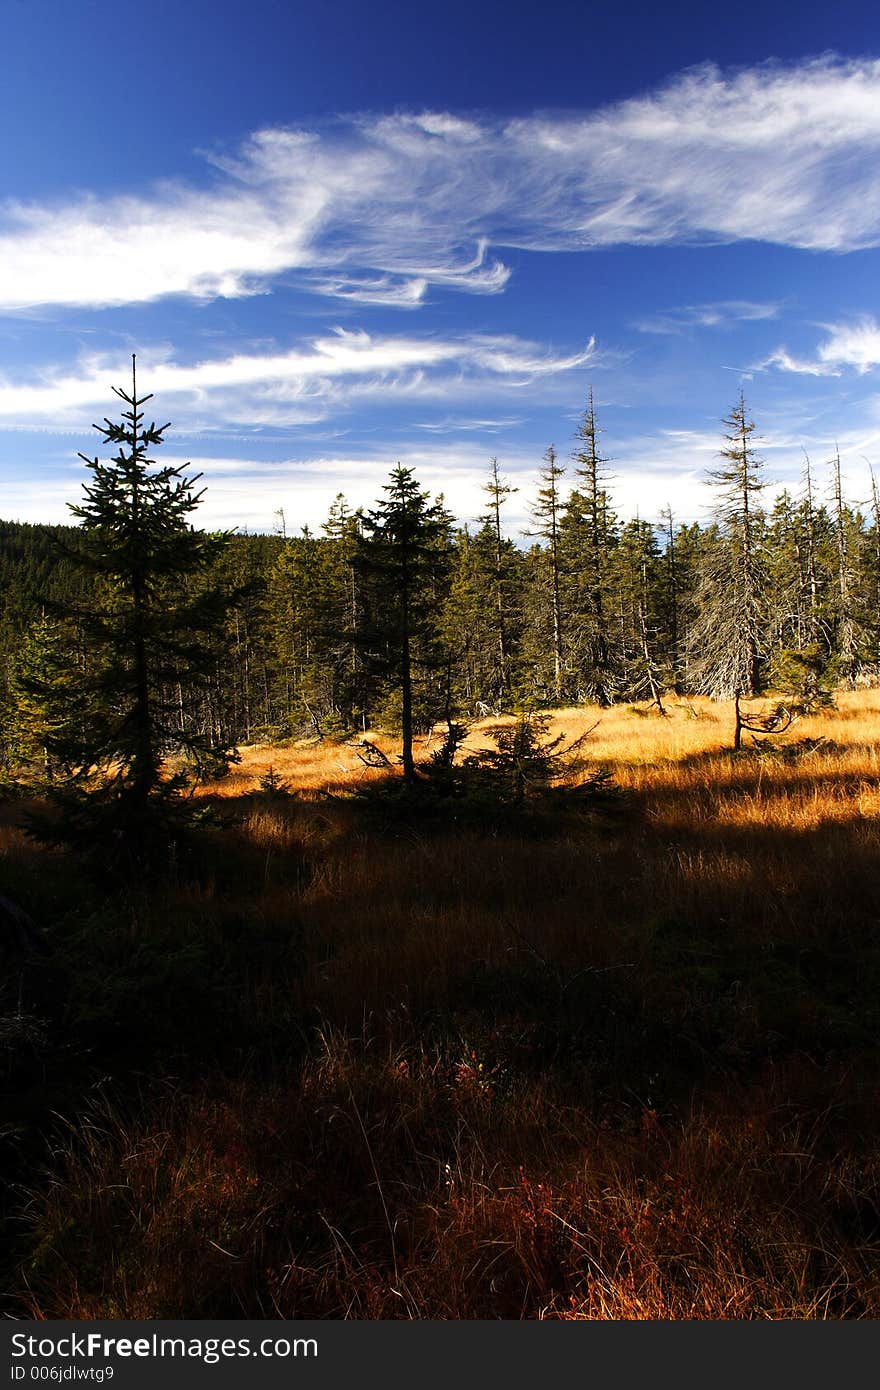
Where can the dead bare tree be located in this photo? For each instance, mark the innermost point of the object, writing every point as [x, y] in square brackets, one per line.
[847, 642]
[774, 721]
[729, 639]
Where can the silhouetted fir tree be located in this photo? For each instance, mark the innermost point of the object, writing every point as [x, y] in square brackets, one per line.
[149, 632]
[402, 559]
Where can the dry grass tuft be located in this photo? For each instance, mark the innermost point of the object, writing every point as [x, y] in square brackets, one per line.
[399, 1183]
[617, 1067]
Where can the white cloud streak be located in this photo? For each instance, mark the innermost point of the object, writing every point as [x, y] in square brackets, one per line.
[298, 386]
[381, 209]
[855, 346]
[718, 315]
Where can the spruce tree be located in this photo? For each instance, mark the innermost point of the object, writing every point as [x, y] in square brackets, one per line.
[403, 556]
[498, 490]
[149, 633]
[591, 534]
[547, 514]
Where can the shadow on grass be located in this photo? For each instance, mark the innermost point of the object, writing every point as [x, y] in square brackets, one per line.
[573, 1014]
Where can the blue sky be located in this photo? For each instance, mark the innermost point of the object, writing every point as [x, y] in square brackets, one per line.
[347, 235]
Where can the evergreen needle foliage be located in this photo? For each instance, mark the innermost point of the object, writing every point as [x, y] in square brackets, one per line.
[402, 556]
[528, 763]
[149, 634]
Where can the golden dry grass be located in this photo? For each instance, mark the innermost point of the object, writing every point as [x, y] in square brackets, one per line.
[757, 840]
[619, 1066]
[644, 750]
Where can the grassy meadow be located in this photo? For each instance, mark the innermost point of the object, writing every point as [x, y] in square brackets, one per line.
[609, 1060]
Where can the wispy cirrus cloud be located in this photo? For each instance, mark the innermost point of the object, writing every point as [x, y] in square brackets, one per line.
[298, 386]
[853, 346]
[386, 291]
[409, 289]
[722, 314]
[380, 209]
[451, 424]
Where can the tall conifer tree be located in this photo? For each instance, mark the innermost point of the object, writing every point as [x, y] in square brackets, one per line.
[729, 637]
[402, 554]
[150, 632]
[592, 530]
[547, 513]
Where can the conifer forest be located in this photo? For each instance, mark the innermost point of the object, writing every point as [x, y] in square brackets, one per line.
[403, 618]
